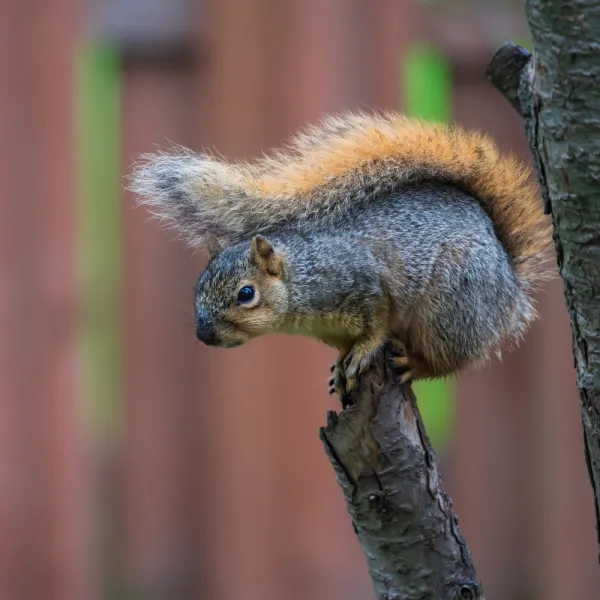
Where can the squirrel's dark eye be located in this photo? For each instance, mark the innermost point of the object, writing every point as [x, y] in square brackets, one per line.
[246, 294]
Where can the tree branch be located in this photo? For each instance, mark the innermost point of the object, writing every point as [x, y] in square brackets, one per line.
[387, 470]
[505, 72]
[559, 98]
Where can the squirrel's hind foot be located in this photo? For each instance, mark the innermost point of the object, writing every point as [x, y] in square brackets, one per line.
[409, 367]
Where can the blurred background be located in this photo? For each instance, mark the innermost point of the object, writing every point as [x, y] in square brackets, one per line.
[136, 463]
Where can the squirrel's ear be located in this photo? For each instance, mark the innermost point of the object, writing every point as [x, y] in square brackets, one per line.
[213, 246]
[265, 256]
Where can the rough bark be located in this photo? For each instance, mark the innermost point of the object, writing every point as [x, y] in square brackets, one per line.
[557, 92]
[387, 470]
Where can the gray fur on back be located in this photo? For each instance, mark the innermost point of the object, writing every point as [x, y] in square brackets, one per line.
[432, 248]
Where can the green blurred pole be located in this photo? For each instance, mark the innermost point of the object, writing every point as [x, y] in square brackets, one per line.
[98, 100]
[100, 227]
[427, 86]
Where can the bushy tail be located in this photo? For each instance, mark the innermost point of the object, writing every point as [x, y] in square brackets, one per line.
[196, 194]
[351, 159]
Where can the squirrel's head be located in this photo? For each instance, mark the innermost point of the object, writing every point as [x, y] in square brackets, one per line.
[241, 294]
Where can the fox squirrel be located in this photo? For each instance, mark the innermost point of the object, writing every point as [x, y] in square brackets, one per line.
[365, 230]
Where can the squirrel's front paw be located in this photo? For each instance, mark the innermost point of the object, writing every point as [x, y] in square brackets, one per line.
[349, 366]
[357, 360]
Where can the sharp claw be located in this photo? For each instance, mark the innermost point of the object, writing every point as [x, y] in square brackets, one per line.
[407, 377]
[331, 391]
[332, 368]
[332, 381]
[346, 400]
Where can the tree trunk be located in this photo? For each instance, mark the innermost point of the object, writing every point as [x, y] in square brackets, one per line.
[387, 470]
[557, 92]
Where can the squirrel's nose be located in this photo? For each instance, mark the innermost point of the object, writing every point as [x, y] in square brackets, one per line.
[207, 334]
